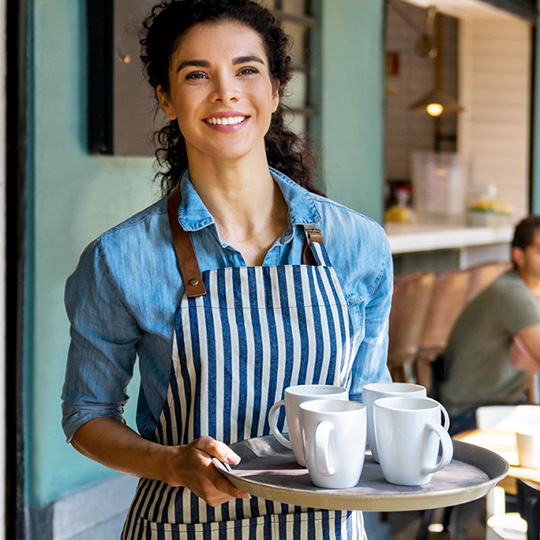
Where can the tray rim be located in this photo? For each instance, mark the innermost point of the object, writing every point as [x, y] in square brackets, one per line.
[334, 500]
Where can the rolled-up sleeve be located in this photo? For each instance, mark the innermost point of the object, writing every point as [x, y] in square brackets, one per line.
[371, 360]
[102, 352]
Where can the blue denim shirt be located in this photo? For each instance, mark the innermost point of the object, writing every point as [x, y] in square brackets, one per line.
[122, 297]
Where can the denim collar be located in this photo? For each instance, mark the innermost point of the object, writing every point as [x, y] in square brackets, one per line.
[193, 214]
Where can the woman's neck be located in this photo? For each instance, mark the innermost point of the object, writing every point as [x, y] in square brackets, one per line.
[241, 195]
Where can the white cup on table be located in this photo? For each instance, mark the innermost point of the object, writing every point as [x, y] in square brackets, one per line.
[409, 433]
[374, 391]
[294, 396]
[334, 434]
[528, 446]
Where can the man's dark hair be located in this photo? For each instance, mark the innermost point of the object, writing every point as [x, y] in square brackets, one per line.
[524, 232]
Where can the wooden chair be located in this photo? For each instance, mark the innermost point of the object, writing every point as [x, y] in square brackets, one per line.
[529, 507]
[481, 276]
[410, 302]
[446, 303]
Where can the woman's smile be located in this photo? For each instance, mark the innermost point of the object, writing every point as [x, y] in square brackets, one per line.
[227, 122]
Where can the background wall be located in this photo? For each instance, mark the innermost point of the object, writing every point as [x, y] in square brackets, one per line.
[349, 88]
[494, 82]
[76, 196]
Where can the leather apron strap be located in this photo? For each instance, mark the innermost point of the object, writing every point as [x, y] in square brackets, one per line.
[187, 259]
[185, 254]
[312, 235]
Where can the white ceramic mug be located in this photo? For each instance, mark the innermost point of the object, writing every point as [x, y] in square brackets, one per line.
[528, 446]
[334, 434]
[294, 395]
[374, 391]
[408, 433]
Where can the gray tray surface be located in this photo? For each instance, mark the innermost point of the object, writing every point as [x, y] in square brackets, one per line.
[269, 470]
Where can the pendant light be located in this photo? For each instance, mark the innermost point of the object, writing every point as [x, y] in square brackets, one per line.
[435, 102]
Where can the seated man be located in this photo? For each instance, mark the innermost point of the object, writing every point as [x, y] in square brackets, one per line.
[496, 339]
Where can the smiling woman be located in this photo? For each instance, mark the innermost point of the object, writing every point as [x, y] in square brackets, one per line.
[239, 283]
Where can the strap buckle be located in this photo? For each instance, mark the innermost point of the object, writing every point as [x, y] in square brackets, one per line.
[313, 234]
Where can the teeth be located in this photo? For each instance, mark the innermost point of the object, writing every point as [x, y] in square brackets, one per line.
[232, 120]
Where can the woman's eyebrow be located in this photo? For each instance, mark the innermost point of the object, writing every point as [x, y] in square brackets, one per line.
[244, 59]
[206, 64]
[196, 63]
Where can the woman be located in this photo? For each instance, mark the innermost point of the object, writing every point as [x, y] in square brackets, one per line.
[250, 282]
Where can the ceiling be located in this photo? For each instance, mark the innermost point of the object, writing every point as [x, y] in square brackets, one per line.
[466, 9]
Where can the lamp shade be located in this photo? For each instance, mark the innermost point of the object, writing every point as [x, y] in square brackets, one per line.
[436, 103]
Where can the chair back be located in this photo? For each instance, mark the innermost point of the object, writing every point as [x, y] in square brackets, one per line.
[481, 276]
[507, 417]
[410, 302]
[495, 416]
[528, 495]
[446, 304]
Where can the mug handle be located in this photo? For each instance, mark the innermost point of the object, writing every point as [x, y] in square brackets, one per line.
[447, 448]
[321, 448]
[446, 424]
[272, 422]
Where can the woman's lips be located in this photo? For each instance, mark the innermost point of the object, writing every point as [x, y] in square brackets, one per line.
[234, 123]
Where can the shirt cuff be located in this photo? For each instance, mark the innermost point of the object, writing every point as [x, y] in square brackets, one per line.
[75, 415]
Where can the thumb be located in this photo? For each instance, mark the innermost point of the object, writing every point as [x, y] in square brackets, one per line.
[218, 450]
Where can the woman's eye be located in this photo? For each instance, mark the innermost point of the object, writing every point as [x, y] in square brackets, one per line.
[248, 71]
[195, 75]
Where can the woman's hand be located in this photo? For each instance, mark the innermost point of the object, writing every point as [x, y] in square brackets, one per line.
[110, 442]
[191, 466]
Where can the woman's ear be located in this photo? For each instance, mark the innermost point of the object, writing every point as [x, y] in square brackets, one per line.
[275, 96]
[165, 103]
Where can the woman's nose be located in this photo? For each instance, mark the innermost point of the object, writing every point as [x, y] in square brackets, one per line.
[225, 91]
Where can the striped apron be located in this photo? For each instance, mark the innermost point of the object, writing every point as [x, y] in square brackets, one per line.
[242, 335]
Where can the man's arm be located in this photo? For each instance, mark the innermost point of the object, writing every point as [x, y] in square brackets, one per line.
[525, 350]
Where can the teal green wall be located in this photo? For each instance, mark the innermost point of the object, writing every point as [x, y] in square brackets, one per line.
[349, 89]
[75, 196]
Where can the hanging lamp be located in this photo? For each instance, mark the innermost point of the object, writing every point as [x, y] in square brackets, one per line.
[435, 102]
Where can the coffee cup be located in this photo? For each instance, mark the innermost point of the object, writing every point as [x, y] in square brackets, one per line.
[528, 446]
[334, 435]
[374, 391]
[408, 433]
[294, 396]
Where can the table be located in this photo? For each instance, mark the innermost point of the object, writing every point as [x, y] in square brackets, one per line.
[501, 442]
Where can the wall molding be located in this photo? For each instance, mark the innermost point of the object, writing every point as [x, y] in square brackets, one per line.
[94, 513]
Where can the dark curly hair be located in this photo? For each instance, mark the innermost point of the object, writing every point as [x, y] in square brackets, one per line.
[161, 34]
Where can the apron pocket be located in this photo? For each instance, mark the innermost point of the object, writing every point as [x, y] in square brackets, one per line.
[259, 527]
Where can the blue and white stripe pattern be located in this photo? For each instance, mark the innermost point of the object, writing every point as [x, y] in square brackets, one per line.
[257, 331]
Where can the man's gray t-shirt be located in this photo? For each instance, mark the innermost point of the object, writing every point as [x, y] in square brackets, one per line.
[480, 371]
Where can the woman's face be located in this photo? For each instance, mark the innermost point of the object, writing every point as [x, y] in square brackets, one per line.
[221, 92]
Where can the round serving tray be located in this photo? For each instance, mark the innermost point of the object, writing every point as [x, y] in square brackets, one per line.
[270, 471]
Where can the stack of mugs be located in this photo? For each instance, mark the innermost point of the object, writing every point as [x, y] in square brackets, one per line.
[329, 434]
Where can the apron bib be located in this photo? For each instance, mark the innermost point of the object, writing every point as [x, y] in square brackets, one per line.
[242, 335]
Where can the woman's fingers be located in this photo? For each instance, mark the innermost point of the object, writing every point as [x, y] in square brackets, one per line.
[217, 449]
[222, 484]
[205, 480]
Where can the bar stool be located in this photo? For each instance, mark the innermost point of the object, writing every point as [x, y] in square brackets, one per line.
[446, 303]
[483, 275]
[529, 506]
[410, 302]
